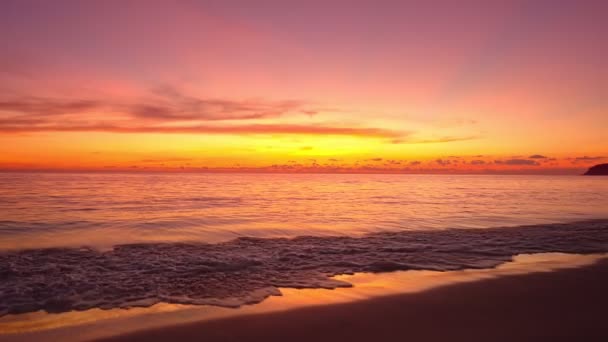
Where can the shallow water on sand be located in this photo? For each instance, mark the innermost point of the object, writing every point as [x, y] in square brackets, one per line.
[92, 324]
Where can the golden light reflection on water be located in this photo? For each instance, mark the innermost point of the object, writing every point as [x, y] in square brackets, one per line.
[58, 210]
[77, 326]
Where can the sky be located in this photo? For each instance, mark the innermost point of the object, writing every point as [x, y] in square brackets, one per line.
[304, 86]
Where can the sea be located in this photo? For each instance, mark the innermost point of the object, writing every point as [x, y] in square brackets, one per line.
[75, 241]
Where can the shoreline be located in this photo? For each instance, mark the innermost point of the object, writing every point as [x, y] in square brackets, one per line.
[246, 270]
[144, 323]
[563, 305]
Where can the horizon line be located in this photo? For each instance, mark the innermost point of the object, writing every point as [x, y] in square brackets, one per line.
[558, 172]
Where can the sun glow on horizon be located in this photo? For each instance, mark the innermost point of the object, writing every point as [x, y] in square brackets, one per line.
[212, 86]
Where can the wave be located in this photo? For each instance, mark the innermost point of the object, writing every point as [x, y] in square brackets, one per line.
[247, 270]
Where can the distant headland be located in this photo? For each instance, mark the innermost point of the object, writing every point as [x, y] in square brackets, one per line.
[597, 170]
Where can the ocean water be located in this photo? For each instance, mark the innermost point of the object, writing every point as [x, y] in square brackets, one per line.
[81, 241]
[102, 210]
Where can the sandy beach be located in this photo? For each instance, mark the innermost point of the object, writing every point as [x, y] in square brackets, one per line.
[564, 305]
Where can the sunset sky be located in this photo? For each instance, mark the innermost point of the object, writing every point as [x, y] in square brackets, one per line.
[316, 86]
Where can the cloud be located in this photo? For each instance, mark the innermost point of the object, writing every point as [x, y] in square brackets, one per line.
[165, 160]
[521, 162]
[170, 112]
[537, 156]
[443, 162]
[209, 129]
[34, 106]
[414, 163]
[587, 158]
[306, 148]
[169, 105]
[310, 112]
[433, 141]
[477, 162]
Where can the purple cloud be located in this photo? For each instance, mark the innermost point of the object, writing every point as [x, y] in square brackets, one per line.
[521, 162]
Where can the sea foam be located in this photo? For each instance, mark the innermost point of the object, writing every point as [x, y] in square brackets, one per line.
[247, 270]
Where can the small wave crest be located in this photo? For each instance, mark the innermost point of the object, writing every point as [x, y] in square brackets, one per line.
[247, 270]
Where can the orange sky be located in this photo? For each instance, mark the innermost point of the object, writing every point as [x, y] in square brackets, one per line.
[315, 86]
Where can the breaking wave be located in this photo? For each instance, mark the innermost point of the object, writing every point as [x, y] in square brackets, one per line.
[247, 270]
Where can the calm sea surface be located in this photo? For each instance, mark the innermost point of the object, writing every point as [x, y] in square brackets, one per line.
[102, 210]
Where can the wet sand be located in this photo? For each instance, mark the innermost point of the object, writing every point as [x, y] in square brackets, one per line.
[565, 305]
